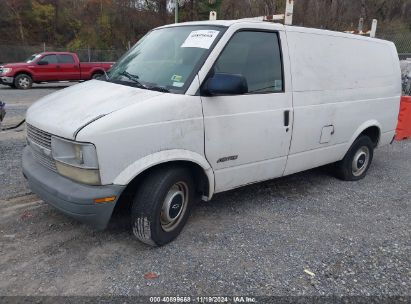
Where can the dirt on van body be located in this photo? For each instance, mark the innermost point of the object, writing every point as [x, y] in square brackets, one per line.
[305, 234]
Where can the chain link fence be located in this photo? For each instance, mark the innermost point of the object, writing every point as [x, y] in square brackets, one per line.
[17, 53]
[14, 53]
[406, 77]
[401, 38]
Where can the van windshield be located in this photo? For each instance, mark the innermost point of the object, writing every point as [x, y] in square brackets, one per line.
[166, 59]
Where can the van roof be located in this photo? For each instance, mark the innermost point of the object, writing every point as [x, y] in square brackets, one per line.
[226, 23]
[279, 26]
[316, 31]
[216, 22]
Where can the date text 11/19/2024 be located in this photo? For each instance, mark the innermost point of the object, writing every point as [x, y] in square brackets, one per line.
[203, 299]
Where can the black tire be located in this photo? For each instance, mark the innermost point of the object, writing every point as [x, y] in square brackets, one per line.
[147, 212]
[23, 82]
[97, 76]
[357, 161]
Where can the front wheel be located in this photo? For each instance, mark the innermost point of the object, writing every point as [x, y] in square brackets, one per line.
[357, 161]
[162, 205]
[23, 82]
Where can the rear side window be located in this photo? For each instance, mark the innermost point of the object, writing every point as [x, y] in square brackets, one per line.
[66, 59]
[50, 59]
[256, 56]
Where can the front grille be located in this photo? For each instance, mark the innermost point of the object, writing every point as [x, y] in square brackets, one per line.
[42, 139]
[45, 160]
[39, 137]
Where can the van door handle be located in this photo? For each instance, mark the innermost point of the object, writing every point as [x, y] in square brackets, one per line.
[287, 118]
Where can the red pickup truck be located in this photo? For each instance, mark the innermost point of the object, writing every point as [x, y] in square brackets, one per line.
[49, 67]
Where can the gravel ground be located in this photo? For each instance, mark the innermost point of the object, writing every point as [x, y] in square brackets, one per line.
[353, 238]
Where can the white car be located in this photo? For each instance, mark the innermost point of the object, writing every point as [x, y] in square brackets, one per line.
[198, 108]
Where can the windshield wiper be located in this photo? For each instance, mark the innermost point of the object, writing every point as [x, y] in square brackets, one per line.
[136, 80]
[159, 89]
[133, 78]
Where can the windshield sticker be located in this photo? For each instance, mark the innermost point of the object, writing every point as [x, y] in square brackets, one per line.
[178, 84]
[177, 78]
[200, 39]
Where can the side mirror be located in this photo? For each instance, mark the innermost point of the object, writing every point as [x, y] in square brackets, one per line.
[42, 62]
[226, 84]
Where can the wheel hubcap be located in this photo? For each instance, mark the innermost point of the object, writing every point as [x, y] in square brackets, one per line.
[24, 82]
[174, 206]
[360, 161]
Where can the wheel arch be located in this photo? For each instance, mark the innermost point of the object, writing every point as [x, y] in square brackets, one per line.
[370, 128]
[97, 71]
[19, 72]
[202, 171]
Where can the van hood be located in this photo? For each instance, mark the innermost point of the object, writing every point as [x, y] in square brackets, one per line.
[65, 112]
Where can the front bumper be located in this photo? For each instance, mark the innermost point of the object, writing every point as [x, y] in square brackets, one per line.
[71, 198]
[6, 80]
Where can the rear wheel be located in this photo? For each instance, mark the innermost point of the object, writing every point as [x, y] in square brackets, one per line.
[357, 161]
[23, 82]
[162, 205]
[97, 76]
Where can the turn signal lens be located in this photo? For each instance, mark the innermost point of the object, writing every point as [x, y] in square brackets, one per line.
[105, 200]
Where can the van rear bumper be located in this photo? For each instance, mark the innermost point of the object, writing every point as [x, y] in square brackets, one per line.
[73, 199]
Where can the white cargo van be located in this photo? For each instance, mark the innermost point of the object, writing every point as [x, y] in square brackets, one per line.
[199, 108]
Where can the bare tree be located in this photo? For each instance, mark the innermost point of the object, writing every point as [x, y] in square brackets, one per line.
[15, 8]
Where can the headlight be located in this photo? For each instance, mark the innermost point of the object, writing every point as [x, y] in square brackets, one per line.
[75, 160]
[6, 70]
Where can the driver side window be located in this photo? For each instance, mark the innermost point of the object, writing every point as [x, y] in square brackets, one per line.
[51, 59]
[257, 57]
